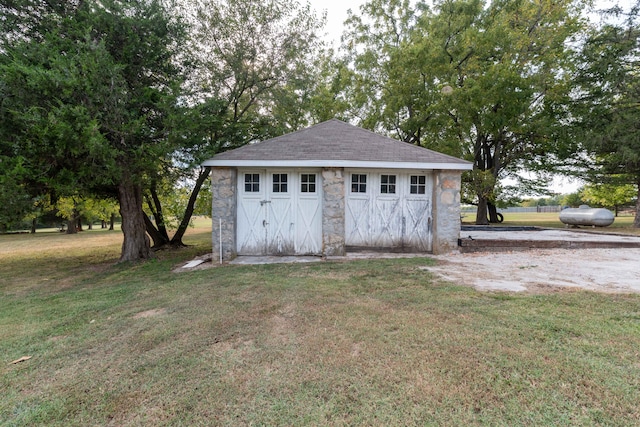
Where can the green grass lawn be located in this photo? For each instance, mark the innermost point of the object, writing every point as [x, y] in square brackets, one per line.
[370, 342]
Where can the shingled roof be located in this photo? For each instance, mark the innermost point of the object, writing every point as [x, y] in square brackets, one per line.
[335, 143]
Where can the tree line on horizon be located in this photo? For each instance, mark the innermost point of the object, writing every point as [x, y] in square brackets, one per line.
[123, 100]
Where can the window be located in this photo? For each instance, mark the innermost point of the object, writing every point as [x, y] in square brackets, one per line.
[358, 183]
[387, 184]
[279, 182]
[418, 184]
[252, 183]
[308, 183]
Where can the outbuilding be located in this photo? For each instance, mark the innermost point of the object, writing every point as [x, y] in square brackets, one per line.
[334, 188]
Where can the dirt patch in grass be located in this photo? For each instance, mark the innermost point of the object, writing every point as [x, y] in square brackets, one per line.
[150, 313]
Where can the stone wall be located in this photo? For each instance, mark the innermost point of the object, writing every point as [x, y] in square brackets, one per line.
[446, 211]
[333, 194]
[224, 188]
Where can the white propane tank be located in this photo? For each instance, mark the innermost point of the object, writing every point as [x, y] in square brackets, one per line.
[584, 215]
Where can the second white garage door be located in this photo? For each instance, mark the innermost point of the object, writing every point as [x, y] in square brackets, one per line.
[389, 209]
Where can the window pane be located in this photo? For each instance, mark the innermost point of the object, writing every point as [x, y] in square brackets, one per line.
[307, 183]
[358, 183]
[251, 182]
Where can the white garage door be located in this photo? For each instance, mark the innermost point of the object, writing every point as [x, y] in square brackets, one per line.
[389, 210]
[279, 212]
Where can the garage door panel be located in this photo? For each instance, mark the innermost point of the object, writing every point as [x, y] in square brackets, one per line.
[280, 225]
[250, 214]
[358, 222]
[387, 223]
[418, 232]
[308, 226]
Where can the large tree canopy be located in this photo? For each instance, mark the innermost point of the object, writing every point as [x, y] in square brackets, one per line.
[488, 81]
[253, 80]
[87, 88]
[607, 105]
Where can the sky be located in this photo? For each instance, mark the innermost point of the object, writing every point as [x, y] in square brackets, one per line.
[336, 15]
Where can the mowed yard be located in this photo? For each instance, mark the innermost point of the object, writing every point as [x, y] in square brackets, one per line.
[368, 342]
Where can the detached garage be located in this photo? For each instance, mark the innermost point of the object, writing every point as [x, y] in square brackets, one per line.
[334, 188]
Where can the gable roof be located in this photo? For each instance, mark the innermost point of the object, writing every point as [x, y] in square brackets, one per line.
[335, 143]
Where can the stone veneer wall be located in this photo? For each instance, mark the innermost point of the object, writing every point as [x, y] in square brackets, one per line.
[446, 211]
[333, 201]
[223, 206]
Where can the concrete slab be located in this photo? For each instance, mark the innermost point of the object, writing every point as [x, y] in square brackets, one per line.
[499, 239]
[194, 263]
[547, 235]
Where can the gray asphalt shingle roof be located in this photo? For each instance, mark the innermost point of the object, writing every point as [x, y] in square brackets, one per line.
[335, 141]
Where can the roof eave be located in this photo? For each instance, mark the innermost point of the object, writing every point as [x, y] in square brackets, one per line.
[461, 166]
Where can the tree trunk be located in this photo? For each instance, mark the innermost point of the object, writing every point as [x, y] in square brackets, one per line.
[159, 229]
[34, 222]
[71, 226]
[158, 239]
[112, 221]
[481, 213]
[186, 219]
[135, 246]
[636, 221]
[80, 224]
[494, 216]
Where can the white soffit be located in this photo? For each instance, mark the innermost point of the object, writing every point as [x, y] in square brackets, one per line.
[336, 164]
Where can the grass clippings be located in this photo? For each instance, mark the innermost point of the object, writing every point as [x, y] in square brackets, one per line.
[368, 342]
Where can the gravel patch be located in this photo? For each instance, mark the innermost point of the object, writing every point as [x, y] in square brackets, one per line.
[601, 270]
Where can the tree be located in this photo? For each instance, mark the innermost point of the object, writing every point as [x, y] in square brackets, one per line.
[574, 199]
[607, 105]
[610, 196]
[486, 81]
[87, 88]
[252, 82]
[16, 202]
